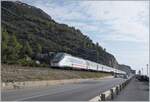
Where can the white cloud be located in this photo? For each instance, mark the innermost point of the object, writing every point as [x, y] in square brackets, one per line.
[128, 18]
[128, 31]
[60, 13]
[106, 10]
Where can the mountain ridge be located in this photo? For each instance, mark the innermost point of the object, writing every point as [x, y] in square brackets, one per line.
[36, 32]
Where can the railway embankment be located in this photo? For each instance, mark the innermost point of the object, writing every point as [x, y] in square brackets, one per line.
[14, 76]
[43, 83]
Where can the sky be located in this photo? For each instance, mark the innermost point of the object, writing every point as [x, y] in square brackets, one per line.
[122, 27]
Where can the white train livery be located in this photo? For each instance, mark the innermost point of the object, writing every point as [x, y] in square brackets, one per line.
[66, 60]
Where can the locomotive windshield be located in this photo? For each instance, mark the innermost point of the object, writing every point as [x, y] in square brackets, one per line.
[58, 57]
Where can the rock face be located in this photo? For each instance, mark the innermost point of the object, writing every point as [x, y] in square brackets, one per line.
[37, 31]
[125, 68]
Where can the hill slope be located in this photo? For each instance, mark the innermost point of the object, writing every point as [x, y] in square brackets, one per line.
[27, 31]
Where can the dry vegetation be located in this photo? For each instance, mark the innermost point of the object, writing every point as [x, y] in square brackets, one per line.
[19, 73]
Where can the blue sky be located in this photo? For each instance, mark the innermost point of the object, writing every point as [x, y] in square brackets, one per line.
[122, 27]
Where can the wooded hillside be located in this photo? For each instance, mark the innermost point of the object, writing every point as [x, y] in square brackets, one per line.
[27, 31]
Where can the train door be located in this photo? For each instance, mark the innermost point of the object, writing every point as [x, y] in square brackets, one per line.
[97, 67]
[87, 64]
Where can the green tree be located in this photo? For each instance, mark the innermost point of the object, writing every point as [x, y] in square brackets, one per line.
[26, 50]
[29, 49]
[38, 48]
[4, 47]
[13, 49]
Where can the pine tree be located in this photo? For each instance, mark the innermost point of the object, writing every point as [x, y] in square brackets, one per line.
[38, 48]
[26, 50]
[13, 49]
[4, 46]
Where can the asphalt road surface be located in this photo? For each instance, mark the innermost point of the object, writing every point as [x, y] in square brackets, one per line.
[135, 91]
[82, 91]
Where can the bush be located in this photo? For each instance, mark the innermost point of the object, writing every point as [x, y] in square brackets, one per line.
[25, 62]
[43, 65]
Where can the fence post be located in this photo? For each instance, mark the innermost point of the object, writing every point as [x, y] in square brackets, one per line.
[120, 87]
[117, 90]
[112, 93]
[103, 97]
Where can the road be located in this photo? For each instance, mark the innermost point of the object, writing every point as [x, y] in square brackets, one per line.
[134, 91]
[82, 91]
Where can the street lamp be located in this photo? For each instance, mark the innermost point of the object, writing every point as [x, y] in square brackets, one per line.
[142, 72]
[147, 69]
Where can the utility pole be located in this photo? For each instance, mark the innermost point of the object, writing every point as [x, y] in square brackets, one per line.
[147, 69]
[142, 72]
[139, 72]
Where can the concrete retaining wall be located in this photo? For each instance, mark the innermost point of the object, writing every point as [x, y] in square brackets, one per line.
[26, 84]
[109, 94]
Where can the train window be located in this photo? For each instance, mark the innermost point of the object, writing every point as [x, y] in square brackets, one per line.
[58, 57]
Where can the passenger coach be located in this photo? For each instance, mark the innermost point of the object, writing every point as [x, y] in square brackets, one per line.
[62, 60]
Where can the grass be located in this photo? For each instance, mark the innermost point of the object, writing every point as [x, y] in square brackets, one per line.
[18, 73]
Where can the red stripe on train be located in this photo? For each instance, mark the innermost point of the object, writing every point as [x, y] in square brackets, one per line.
[80, 66]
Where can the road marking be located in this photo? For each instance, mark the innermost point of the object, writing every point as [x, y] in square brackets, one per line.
[22, 99]
[40, 95]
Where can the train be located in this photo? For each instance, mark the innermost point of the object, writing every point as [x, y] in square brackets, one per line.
[64, 60]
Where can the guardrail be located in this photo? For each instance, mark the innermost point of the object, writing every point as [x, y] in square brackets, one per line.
[109, 94]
